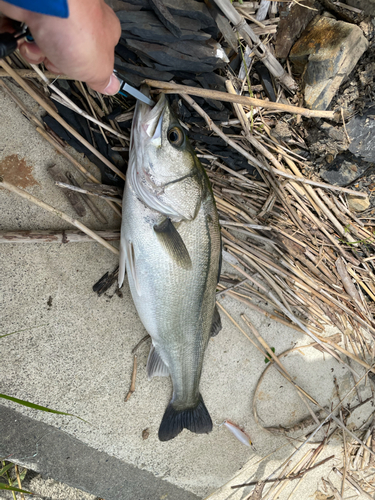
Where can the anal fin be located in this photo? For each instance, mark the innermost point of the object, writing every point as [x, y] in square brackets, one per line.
[155, 365]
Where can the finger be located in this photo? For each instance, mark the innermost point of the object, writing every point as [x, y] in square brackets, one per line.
[51, 67]
[31, 52]
[111, 87]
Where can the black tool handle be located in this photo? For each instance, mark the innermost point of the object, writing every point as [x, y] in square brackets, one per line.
[8, 44]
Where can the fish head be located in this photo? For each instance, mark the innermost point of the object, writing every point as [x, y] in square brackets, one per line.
[164, 171]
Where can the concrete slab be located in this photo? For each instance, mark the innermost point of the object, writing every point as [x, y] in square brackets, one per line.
[78, 359]
[54, 453]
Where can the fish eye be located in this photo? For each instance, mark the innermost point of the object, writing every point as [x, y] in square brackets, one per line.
[175, 136]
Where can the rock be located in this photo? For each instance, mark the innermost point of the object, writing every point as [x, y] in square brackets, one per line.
[196, 57]
[142, 71]
[282, 131]
[191, 9]
[344, 169]
[185, 8]
[325, 54]
[224, 26]
[294, 18]
[212, 81]
[146, 26]
[368, 6]
[358, 204]
[335, 133]
[120, 5]
[166, 17]
[266, 80]
[361, 130]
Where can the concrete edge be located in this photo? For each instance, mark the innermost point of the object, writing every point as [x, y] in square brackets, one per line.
[55, 454]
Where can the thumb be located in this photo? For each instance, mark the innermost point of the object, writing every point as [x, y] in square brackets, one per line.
[111, 88]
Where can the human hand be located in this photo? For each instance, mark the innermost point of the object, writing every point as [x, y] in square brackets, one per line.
[80, 46]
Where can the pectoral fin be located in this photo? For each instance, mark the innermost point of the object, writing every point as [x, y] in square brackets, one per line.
[173, 243]
[155, 365]
[122, 261]
[132, 270]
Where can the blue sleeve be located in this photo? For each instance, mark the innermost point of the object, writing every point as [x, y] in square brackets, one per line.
[58, 8]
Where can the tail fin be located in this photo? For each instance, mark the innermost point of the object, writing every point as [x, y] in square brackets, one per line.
[195, 419]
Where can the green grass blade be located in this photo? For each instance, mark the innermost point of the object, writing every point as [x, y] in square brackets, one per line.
[11, 488]
[24, 330]
[5, 468]
[38, 407]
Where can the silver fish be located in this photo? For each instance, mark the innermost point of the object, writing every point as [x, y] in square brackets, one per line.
[170, 246]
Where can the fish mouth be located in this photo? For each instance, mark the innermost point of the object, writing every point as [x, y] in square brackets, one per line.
[149, 119]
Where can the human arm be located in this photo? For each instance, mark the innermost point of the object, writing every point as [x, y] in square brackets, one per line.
[80, 46]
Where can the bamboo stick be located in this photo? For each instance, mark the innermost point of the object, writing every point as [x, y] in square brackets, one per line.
[58, 213]
[55, 236]
[29, 73]
[173, 88]
[84, 191]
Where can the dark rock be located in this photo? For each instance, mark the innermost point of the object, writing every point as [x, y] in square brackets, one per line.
[185, 8]
[142, 71]
[335, 133]
[344, 169]
[146, 26]
[185, 56]
[208, 139]
[126, 54]
[144, 4]
[224, 26]
[368, 6]
[235, 63]
[191, 9]
[165, 17]
[115, 112]
[210, 52]
[148, 17]
[265, 79]
[183, 111]
[130, 78]
[212, 103]
[325, 54]
[361, 130]
[294, 18]
[117, 5]
[212, 81]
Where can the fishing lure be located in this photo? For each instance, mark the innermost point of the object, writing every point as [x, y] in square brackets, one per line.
[238, 432]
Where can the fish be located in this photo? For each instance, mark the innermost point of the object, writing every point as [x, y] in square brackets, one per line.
[170, 247]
